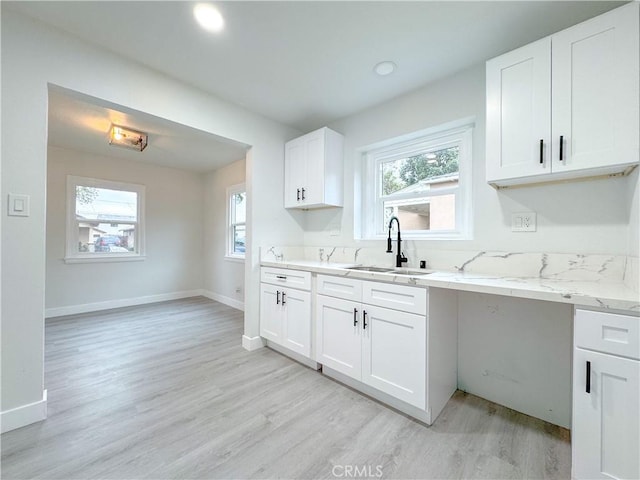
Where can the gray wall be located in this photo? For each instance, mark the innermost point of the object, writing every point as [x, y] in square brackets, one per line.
[222, 276]
[34, 56]
[173, 233]
[580, 217]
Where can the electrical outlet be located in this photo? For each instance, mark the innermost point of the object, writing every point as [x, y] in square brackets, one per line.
[523, 222]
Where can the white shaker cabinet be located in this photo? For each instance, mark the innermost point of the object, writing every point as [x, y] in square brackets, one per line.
[313, 170]
[606, 396]
[285, 312]
[383, 348]
[338, 335]
[386, 347]
[394, 347]
[566, 106]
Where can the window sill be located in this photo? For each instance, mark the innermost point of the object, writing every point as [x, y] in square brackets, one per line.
[105, 259]
[234, 258]
[419, 237]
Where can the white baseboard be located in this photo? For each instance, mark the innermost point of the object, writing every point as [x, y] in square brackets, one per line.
[125, 302]
[24, 415]
[232, 302]
[252, 343]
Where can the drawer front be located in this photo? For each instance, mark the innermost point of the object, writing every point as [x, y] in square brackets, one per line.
[608, 333]
[286, 278]
[340, 287]
[396, 297]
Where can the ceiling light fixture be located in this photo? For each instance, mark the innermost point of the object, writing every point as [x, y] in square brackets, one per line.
[384, 68]
[125, 137]
[208, 17]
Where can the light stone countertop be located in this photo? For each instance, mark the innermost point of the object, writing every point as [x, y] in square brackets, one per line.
[603, 295]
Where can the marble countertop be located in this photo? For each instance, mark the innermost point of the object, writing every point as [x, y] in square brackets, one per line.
[605, 295]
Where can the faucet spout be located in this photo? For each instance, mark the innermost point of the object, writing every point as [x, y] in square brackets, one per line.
[400, 258]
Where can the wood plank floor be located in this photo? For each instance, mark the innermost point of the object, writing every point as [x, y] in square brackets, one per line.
[166, 391]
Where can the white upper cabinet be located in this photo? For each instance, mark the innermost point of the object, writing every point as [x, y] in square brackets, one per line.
[519, 112]
[566, 106]
[313, 166]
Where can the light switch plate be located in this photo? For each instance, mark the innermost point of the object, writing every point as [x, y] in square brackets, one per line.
[18, 205]
[523, 222]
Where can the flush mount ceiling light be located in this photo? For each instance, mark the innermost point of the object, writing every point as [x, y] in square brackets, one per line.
[384, 68]
[125, 137]
[208, 17]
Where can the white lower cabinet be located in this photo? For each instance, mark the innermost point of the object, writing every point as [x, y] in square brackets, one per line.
[338, 335]
[605, 433]
[285, 314]
[394, 346]
[383, 348]
[387, 349]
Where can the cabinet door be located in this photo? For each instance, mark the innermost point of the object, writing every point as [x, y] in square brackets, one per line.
[294, 172]
[606, 422]
[519, 112]
[338, 337]
[296, 333]
[595, 92]
[270, 313]
[394, 353]
[314, 155]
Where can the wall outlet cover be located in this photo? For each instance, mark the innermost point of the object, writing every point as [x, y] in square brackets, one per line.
[524, 222]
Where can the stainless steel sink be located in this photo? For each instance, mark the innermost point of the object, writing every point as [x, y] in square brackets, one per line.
[408, 272]
[391, 271]
[371, 269]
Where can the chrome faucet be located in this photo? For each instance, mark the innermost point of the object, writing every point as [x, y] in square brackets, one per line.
[400, 258]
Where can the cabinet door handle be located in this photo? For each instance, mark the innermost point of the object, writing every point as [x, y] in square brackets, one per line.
[588, 382]
[561, 145]
[284, 298]
[298, 194]
[277, 297]
[355, 317]
[303, 193]
[364, 319]
[541, 151]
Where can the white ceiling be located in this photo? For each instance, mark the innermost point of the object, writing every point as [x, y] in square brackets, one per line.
[302, 63]
[82, 123]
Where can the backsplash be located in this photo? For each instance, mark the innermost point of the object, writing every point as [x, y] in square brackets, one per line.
[556, 266]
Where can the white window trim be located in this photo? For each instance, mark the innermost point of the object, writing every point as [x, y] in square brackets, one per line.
[71, 253]
[230, 254]
[459, 132]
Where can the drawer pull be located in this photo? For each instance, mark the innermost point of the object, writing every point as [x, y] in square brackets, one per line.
[355, 317]
[364, 319]
[588, 389]
[277, 297]
[281, 277]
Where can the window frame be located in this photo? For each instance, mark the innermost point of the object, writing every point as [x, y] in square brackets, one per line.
[72, 238]
[230, 253]
[458, 133]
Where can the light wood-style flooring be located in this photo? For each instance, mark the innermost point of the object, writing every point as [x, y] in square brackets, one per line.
[166, 391]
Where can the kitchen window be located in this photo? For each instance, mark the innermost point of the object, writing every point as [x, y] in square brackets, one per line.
[105, 220]
[424, 180]
[237, 218]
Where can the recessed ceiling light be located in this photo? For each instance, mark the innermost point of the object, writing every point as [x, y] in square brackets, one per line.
[384, 68]
[208, 17]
